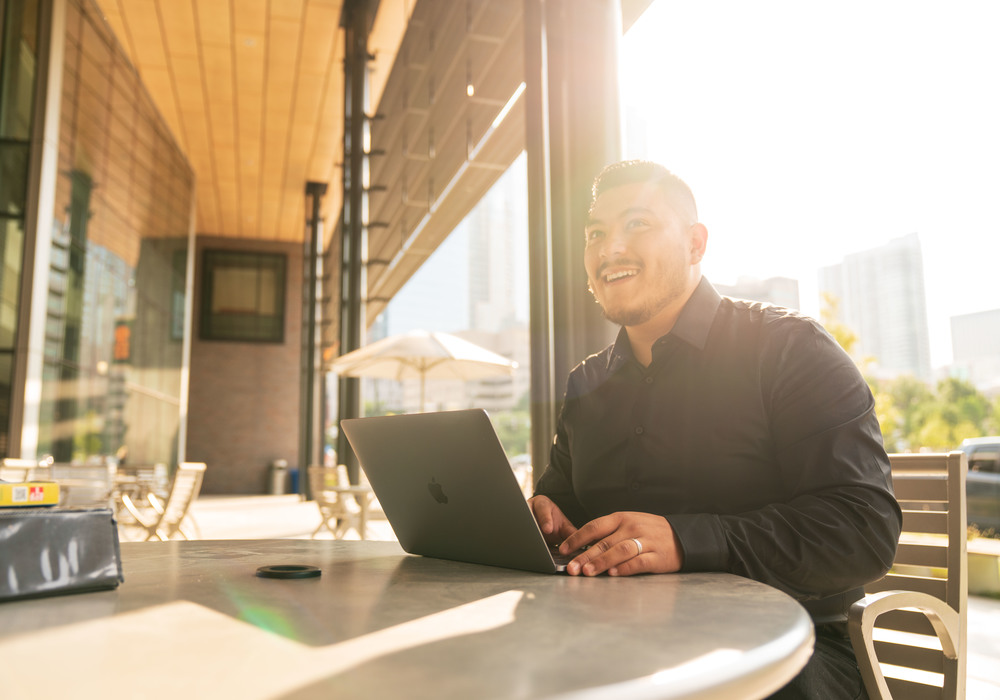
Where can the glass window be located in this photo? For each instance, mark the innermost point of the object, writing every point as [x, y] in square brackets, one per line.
[243, 296]
[13, 177]
[475, 285]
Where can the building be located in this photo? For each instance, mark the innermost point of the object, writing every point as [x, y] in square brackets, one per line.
[780, 291]
[880, 296]
[975, 342]
[203, 204]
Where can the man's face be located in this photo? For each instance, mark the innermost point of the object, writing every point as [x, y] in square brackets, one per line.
[639, 254]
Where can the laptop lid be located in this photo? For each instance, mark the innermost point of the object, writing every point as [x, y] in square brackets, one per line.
[447, 488]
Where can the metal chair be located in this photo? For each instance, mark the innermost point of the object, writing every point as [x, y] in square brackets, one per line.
[162, 520]
[909, 632]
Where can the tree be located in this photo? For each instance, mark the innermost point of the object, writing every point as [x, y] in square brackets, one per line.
[829, 316]
[901, 406]
[957, 411]
[514, 430]
[912, 414]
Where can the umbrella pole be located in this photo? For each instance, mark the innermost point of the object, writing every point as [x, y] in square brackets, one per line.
[423, 379]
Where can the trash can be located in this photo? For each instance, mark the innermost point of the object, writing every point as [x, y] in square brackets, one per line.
[279, 477]
[293, 477]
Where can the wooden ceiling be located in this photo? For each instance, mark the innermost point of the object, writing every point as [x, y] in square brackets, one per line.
[253, 92]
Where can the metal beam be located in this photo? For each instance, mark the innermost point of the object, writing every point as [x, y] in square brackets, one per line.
[356, 20]
[310, 423]
[574, 130]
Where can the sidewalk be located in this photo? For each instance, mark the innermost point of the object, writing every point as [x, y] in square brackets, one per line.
[289, 517]
[266, 517]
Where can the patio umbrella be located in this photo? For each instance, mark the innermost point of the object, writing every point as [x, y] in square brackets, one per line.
[423, 355]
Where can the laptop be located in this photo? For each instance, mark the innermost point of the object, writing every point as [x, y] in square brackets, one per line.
[448, 490]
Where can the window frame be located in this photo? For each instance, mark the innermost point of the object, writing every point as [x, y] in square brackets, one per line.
[239, 327]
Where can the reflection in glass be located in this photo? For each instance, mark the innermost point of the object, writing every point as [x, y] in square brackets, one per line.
[111, 382]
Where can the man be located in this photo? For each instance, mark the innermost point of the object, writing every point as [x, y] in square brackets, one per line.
[715, 434]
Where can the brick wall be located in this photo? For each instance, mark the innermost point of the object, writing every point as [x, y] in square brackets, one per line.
[244, 397]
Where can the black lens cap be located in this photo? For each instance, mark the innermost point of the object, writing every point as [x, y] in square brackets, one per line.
[288, 571]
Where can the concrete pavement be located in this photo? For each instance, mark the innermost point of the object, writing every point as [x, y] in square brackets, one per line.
[288, 517]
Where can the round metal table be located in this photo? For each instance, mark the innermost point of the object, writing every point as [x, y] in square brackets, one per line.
[193, 620]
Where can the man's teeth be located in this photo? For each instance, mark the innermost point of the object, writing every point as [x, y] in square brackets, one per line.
[619, 275]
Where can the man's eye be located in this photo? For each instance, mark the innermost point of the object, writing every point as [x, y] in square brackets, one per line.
[636, 223]
[594, 233]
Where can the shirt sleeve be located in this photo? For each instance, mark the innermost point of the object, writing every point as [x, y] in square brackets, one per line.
[838, 525]
[556, 480]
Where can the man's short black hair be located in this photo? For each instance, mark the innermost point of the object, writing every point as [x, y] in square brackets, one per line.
[629, 172]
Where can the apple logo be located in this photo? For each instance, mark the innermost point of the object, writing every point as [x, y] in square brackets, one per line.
[436, 491]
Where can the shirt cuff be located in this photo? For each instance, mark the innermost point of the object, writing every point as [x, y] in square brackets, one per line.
[703, 541]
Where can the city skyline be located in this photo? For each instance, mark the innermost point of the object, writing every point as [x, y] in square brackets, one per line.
[879, 294]
[808, 132]
[800, 155]
[440, 295]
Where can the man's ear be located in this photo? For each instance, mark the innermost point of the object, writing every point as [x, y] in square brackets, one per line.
[699, 242]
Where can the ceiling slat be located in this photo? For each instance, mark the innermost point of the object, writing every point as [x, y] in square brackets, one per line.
[253, 93]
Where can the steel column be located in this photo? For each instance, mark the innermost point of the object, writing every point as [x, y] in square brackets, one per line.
[574, 130]
[356, 20]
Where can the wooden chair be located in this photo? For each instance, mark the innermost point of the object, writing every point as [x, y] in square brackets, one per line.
[338, 510]
[162, 520]
[12, 469]
[911, 625]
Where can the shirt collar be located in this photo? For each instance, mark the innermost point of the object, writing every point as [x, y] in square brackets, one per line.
[693, 324]
[697, 316]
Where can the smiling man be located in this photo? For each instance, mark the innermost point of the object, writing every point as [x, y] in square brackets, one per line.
[715, 434]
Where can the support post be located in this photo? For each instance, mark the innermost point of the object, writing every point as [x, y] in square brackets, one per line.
[356, 21]
[574, 130]
[310, 428]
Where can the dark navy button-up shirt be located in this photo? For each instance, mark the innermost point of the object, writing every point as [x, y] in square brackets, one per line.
[753, 433]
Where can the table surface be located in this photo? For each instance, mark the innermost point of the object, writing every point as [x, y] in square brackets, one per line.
[193, 619]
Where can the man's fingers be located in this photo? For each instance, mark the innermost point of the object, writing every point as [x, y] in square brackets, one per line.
[625, 543]
[604, 555]
[592, 534]
[551, 521]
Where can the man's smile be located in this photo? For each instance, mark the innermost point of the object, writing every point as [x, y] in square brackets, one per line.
[618, 275]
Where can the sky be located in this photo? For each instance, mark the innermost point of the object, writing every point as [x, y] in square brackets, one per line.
[809, 131]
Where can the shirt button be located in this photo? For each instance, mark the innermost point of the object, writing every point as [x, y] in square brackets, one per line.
[648, 380]
[639, 430]
[635, 486]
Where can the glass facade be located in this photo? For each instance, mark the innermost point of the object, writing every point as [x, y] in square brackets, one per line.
[18, 58]
[116, 280]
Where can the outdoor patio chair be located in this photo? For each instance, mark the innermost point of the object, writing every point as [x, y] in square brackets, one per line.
[12, 469]
[338, 510]
[163, 520]
[911, 626]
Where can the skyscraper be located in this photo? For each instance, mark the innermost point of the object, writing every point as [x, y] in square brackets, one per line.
[497, 220]
[975, 342]
[881, 297]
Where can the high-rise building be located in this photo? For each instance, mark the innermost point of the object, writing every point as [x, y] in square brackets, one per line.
[780, 291]
[975, 344]
[469, 287]
[880, 296]
[493, 225]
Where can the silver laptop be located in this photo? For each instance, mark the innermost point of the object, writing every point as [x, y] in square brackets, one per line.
[448, 490]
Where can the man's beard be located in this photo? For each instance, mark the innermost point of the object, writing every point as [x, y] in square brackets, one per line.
[630, 315]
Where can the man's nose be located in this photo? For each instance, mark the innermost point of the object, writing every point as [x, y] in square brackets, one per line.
[614, 243]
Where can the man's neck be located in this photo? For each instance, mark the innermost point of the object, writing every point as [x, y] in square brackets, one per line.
[643, 336]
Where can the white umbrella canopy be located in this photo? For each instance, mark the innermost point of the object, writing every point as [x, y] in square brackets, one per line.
[423, 355]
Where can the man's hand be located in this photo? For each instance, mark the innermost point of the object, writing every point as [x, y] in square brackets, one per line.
[623, 544]
[555, 526]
